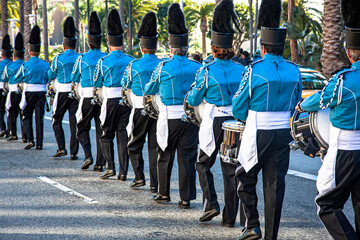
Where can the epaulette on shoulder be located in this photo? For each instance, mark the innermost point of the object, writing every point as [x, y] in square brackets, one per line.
[296, 65]
[340, 70]
[253, 63]
[344, 71]
[165, 61]
[236, 62]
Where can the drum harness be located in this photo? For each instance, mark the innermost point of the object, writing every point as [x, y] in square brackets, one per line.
[96, 90]
[124, 101]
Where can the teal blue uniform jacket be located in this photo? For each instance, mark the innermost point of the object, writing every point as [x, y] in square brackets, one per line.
[345, 104]
[34, 71]
[269, 85]
[10, 71]
[62, 66]
[172, 79]
[3, 64]
[216, 83]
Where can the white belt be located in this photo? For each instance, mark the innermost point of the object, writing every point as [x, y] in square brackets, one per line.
[272, 120]
[63, 87]
[175, 111]
[1, 85]
[35, 88]
[87, 92]
[222, 111]
[112, 92]
[138, 102]
[13, 87]
[349, 140]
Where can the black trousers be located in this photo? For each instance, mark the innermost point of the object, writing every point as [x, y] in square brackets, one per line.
[203, 167]
[2, 110]
[64, 104]
[35, 101]
[117, 118]
[183, 138]
[273, 160]
[89, 112]
[13, 113]
[143, 125]
[330, 204]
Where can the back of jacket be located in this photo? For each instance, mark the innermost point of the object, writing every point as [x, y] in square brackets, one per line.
[34, 71]
[3, 64]
[269, 85]
[62, 66]
[110, 69]
[141, 71]
[84, 67]
[10, 71]
[172, 79]
[216, 83]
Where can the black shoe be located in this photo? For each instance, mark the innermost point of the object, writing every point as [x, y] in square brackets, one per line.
[25, 140]
[98, 168]
[225, 224]
[137, 183]
[2, 133]
[7, 135]
[38, 148]
[153, 189]
[161, 199]
[87, 162]
[12, 138]
[60, 153]
[208, 215]
[30, 145]
[73, 157]
[184, 204]
[250, 234]
[108, 173]
[122, 177]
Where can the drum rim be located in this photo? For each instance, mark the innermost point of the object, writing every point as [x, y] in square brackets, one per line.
[315, 130]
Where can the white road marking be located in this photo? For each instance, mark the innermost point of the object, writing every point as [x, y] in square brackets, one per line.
[302, 175]
[64, 121]
[66, 189]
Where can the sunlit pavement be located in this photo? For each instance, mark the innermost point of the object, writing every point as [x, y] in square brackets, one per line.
[31, 208]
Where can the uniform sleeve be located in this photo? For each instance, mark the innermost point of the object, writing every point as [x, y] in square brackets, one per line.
[240, 104]
[152, 87]
[312, 103]
[197, 92]
[75, 75]
[52, 73]
[98, 76]
[47, 71]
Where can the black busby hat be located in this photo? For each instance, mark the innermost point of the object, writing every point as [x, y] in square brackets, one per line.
[115, 29]
[6, 47]
[350, 10]
[178, 33]
[69, 30]
[35, 40]
[148, 32]
[19, 48]
[94, 35]
[269, 23]
[222, 32]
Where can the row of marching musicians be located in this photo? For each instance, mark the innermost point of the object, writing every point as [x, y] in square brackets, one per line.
[264, 97]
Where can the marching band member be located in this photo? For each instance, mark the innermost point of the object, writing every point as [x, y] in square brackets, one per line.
[14, 97]
[83, 72]
[33, 74]
[339, 175]
[61, 71]
[114, 117]
[268, 94]
[172, 79]
[136, 75]
[216, 83]
[6, 55]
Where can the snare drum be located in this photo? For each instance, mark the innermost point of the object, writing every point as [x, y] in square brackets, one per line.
[51, 89]
[305, 126]
[229, 149]
[126, 97]
[193, 113]
[75, 94]
[98, 96]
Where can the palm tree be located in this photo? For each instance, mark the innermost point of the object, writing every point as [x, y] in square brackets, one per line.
[21, 13]
[196, 13]
[331, 55]
[27, 26]
[76, 18]
[293, 42]
[4, 17]
[45, 32]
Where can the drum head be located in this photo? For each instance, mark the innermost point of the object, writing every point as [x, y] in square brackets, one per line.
[320, 126]
[156, 99]
[233, 125]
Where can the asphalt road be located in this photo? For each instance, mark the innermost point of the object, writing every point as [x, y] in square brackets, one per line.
[31, 208]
